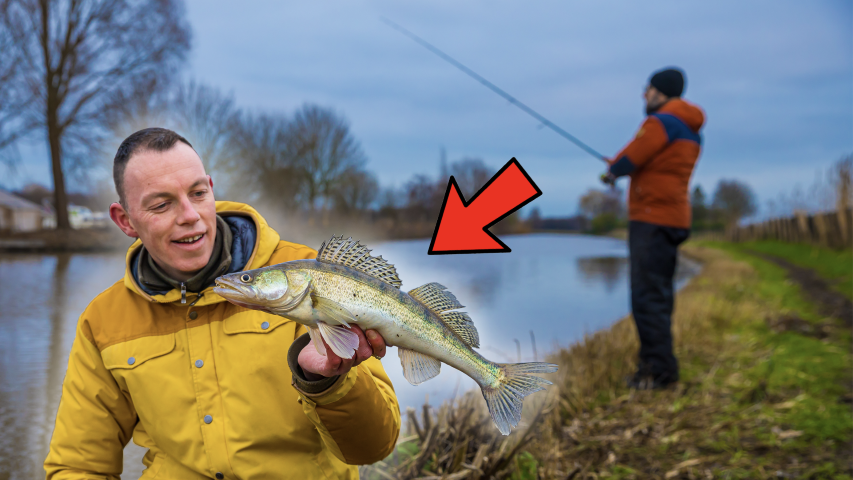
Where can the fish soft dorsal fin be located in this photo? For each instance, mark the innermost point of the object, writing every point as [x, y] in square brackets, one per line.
[350, 253]
[417, 367]
[462, 325]
[435, 297]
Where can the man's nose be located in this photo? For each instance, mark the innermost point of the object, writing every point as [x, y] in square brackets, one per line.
[188, 215]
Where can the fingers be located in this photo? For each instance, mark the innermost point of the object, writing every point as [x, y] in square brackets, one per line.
[369, 344]
[377, 343]
[364, 350]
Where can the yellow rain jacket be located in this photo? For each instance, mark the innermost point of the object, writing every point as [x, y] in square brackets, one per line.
[207, 389]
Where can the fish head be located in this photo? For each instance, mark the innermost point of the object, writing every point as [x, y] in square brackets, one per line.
[270, 289]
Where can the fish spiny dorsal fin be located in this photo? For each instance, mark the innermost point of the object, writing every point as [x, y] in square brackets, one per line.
[352, 254]
[435, 297]
[461, 323]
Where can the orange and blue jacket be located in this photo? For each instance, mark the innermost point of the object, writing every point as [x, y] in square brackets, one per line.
[205, 387]
[660, 161]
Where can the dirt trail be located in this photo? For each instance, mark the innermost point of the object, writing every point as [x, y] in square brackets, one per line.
[829, 302]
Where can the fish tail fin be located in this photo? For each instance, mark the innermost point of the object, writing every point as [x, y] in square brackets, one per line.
[516, 382]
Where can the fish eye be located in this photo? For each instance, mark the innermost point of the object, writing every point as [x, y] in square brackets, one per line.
[245, 278]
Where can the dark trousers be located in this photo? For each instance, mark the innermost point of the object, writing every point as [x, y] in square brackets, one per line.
[654, 250]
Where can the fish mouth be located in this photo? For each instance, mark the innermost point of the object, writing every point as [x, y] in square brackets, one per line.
[231, 290]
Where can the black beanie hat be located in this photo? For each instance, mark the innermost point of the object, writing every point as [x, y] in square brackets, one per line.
[669, 82]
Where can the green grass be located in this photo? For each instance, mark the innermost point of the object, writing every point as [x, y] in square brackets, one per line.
[834, 265]
[774, 287]
[816, 372]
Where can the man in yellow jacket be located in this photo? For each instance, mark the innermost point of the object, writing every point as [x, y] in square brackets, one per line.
[211, 389]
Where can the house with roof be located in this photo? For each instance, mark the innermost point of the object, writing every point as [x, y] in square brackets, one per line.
[18, 214]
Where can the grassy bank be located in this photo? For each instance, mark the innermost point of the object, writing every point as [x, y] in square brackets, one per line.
[835, 266]
[761, 395]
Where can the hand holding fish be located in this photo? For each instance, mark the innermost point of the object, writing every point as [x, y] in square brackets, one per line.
[316, 366]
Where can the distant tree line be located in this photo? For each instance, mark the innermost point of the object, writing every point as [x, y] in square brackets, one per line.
[733, 200]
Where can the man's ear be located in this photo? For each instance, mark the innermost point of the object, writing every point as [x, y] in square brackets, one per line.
[210, 179]
[120, 217]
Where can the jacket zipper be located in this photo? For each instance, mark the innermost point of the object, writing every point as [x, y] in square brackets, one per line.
[197, 298]
[183, 293]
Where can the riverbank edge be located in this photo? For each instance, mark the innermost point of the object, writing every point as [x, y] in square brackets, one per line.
[758, 397]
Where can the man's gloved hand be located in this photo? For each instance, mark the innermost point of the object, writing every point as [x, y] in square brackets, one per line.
[608, 179]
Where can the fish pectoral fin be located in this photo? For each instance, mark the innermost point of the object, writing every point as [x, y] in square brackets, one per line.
[342, 340]
[331, 312]
[417, 367]
[317, 340]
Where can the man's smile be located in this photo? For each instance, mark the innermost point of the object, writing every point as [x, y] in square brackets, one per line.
[190, 239]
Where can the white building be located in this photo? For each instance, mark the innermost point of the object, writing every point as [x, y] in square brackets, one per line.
[18, 214]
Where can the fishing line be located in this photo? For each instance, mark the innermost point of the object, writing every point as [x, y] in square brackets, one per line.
[491, 86]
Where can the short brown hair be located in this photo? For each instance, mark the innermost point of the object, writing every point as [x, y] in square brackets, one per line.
[157, 139]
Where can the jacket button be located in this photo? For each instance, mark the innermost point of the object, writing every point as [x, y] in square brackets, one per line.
[131, 360]
[208, 419]
[199, 363]
[219, 476]
[193, 315]
[265, 325]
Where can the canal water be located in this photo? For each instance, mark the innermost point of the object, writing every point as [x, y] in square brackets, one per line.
[548, 292]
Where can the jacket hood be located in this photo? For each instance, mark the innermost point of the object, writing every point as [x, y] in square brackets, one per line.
[266, 240]
[690, 114]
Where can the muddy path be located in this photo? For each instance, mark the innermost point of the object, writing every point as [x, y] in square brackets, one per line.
[828, 301]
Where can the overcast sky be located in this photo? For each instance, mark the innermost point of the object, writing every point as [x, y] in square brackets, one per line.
[775, 79]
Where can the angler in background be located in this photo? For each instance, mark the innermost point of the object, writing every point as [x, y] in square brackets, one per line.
[660, 160]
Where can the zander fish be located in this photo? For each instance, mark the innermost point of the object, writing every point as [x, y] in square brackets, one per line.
[345, 285]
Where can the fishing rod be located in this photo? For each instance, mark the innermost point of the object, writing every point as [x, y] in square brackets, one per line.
[491, 86]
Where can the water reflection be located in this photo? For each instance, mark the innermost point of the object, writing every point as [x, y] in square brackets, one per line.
[556, 287]
[608, 270]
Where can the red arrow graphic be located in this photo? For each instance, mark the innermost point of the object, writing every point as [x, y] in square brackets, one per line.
[462, 226]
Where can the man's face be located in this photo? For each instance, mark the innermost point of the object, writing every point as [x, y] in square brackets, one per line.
[654, 99]
[170, 207]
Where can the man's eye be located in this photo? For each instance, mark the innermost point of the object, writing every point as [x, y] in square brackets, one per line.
[200, 193]
[159, 206]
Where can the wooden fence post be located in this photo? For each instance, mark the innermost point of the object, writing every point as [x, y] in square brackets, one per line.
[820, 226]
[803, 224]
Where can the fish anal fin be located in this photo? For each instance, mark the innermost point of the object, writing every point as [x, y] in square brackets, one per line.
[417, 367]
[352, 254]
[342, 340]
[435, 297]
[331, 312]
[462, 326]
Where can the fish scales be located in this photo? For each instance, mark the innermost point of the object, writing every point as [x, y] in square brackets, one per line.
[402, 320]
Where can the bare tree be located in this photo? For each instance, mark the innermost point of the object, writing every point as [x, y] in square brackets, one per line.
[206, 117]
[80, 58]
[322, 146]
[471, 174]
[734, 200]
[423, 197]
[12, 97]
[597, 202]
[356, 193]
[265, 169]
